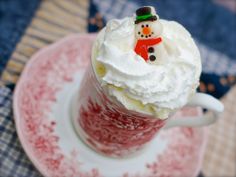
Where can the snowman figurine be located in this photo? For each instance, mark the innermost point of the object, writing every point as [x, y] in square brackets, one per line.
[148, 29]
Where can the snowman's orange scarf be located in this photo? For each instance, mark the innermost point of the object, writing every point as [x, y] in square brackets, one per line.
[142, 45]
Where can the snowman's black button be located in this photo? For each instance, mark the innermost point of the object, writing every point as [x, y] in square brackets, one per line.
[150, 49]
[152, 58]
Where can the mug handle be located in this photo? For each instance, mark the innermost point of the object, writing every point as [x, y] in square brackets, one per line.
[205, 101]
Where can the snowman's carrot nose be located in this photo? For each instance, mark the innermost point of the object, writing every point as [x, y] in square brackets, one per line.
[146, 30]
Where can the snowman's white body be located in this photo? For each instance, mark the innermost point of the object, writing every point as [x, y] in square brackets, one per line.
[159, 53]
[162, 49]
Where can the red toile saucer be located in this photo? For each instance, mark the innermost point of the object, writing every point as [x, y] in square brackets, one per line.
[42, 116]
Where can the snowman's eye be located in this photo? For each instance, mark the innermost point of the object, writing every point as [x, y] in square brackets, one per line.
[146, 25]
[138, 32]
[152, 33]
[142, 26]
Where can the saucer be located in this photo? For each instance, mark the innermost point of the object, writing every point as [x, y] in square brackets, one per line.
[42, 102]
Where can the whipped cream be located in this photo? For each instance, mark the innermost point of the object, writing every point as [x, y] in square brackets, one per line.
[157, 90]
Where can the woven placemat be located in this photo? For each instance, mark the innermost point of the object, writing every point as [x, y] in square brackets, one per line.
[53, 20]
[220, 155]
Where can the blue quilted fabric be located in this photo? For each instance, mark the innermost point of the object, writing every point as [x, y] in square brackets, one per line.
[208, 22]
[13, 160]
[212, 26]
[15, 15]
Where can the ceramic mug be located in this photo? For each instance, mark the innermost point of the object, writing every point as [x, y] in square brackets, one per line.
[109, 128]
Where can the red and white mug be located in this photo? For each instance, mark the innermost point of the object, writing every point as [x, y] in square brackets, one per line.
[109, 128]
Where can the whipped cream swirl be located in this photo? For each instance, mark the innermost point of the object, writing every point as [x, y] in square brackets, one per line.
[157, 90]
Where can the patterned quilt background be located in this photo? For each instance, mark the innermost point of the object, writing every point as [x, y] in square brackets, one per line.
[28, 25]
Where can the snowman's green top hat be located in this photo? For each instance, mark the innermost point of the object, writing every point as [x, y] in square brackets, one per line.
[144, 14]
